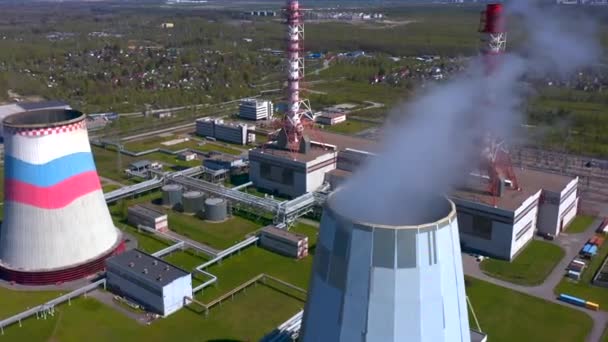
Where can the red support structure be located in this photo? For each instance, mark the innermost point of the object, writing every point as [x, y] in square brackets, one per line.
[495, 159]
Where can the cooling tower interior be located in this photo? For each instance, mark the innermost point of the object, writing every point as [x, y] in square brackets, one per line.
[377, 282]
[56, 226]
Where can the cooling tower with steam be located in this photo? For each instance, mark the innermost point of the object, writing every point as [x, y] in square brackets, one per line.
[56, 226]
[380, 282]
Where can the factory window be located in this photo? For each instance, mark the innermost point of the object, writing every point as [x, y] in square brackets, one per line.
[406, 248]
[482, 227]
[266, 171]
[288, 178]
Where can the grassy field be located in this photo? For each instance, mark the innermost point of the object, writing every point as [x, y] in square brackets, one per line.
[218, 147]
[580, 224]
[531, 267]
[218, 235]
[261, 193]
[250, 316]
[508, 316]
[13, 303]
[583, 288]
[110, 187]
[108, 165]
[349, 127]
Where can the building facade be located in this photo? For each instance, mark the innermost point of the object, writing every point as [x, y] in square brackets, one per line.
[284, 242]
[150, 281]
[229, 132]
[252, 109]
[557, 208]
[290, 174]
[331, 119]
[147, 216]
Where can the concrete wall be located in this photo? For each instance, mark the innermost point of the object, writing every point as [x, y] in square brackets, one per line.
[569, 204]
[524, 228]
[150, 299]
[548, 214]
[174, 293]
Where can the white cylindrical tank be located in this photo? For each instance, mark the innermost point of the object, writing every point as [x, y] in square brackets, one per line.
[216, 209]
[57, 226]
[376, 282]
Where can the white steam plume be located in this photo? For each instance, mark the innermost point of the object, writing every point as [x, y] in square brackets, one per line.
[423, 156]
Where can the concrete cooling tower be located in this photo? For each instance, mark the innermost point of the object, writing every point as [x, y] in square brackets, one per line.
[57, 226]
[375, 282]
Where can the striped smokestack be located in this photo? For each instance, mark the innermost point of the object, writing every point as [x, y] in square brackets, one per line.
[57, 226]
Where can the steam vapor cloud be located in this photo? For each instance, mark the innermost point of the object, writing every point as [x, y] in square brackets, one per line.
[425, 155]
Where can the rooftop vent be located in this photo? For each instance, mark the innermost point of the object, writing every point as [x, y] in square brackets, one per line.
[159, 278]
[138, 255]
[145, 271]
[155, 262]
[131, 264]
[167, 268]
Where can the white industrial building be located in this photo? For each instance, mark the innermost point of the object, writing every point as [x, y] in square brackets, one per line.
[290, 173]
[150, 281]
[230, 132]
[253, 109]
[502, 230]
[330, 119]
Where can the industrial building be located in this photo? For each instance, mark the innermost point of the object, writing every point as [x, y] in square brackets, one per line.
[502, 229]
[22, 107]
[378, 282]
[330, 119]
[57, 226]
[147, 216]
[283, 242]
[290, 173]
[222, 161]
[150, 281]
[229, 132]
[253, 109]
[186, 156]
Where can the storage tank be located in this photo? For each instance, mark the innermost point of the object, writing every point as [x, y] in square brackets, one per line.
[192, 202]
[216, 209]
[378, 282]
[172, 195]
[57, 226]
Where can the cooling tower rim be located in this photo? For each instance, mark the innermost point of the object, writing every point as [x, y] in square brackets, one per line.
[441, 222]
[119, 240]
[43, 118]
[193, 194]
[172, 187]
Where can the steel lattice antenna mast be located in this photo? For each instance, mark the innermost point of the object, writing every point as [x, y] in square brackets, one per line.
[493, 46]
[293, 128]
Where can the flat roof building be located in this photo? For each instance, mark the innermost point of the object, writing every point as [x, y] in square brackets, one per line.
[150, 281]
[147, 216]
[253, 109]
[546, 204]
[329, 118]
[284, 242]
[224, 131]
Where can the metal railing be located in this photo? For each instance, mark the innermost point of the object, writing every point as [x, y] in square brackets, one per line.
[49, 307]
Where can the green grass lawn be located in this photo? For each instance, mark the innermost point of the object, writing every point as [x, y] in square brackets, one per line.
[15, 302]
[110, 187]
[508, 316]
[580, 224]
[583, 288]
[349, 127]
[218, 147]
[218, 235]
[248, 317]
[261, 193]
[531, 267]
[108, 165]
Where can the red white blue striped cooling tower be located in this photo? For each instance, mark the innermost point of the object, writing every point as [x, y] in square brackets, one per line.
[57, 226]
